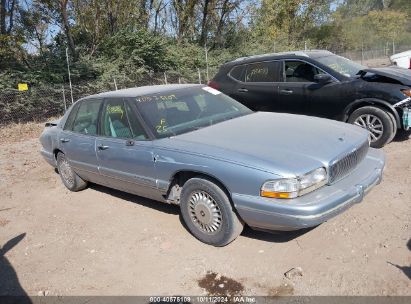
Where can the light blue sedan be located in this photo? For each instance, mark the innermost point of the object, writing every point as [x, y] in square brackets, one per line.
[223, 164]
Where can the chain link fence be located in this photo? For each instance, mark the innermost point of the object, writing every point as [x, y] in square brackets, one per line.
[364, 56]
[42, 102]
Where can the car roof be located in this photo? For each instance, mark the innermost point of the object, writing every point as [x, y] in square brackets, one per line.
[290, 54]
[145, 90]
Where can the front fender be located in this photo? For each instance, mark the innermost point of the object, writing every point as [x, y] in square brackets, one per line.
[370, 101]
[236, 178]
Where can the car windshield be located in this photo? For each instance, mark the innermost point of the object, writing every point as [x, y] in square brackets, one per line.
[341, 65]
[184, 110]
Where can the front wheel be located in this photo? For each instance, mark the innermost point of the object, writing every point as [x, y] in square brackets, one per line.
[377, 121]
[208, 213]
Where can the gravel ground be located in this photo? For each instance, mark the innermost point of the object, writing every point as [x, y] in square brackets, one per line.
[105, 242]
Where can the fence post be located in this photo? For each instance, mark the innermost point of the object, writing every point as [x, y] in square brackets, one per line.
[165, 78]
[199, 75]
[362, 53]
[115, 83]
[150, 74]
[206, 59]
[179, 80]
[64, 99]
[393, 47]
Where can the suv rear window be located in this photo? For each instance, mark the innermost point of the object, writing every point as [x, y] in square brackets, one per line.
[269, 71]
[237, 72]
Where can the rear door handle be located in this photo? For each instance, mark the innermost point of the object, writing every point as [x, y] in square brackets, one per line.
[64, 140]
[242, 90]
[102, 147]
[286, 92]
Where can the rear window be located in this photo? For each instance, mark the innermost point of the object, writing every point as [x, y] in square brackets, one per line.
[237, 72]
[268, 71]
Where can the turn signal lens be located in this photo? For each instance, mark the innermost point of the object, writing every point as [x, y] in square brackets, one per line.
[407, 92]
[276, 194]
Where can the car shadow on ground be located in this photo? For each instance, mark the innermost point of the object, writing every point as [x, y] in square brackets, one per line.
[159, 206]
[402, 135]
[275, 237]
[405, 269]
[9, 282]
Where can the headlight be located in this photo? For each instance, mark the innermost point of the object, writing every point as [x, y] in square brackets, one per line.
[294, 187]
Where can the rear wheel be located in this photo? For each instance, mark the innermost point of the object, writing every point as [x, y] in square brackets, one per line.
[70, 179]
[208, 213]
[377, 121]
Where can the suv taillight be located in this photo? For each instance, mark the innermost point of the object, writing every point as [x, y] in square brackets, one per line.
[213, 84]
[410, 64]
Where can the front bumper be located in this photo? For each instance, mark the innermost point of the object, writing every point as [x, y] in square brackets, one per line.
[316, 207]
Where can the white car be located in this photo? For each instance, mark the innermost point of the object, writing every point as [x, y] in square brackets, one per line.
[402, 60]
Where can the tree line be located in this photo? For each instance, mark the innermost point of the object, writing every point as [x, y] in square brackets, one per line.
[130, 38]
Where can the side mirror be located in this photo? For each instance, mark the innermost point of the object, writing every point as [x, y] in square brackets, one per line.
[322, 78]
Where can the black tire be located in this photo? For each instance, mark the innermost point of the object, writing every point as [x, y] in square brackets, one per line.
[70, 179]
[394, 127]
[203, 198]
[383, 116]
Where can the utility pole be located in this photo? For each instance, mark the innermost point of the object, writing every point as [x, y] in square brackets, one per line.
[68, 69]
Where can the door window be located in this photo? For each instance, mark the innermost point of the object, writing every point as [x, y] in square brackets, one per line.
[237, 72]
[119, 121]
[299, 71]
[86, 118]
[268, 71]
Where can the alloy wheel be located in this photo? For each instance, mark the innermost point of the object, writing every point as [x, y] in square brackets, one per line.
[373, 124]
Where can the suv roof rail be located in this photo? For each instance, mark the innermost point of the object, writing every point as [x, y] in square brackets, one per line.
[296, 53]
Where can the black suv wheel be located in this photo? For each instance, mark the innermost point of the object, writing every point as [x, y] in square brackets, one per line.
[377, 121]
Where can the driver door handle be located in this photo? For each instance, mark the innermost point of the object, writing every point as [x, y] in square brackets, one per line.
[64, 140]
[286, 92]
[243, 90]
[102, 147]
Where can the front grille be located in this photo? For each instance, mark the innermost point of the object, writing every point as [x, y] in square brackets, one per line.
[343, 166]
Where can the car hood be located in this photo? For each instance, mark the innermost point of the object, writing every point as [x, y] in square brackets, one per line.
[402, 54]
[399, 74]
[283, 144]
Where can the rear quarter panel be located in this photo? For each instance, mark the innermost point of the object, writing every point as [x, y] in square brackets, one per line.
[49, 142]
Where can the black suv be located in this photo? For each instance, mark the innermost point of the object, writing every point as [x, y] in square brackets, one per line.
[320, 83]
